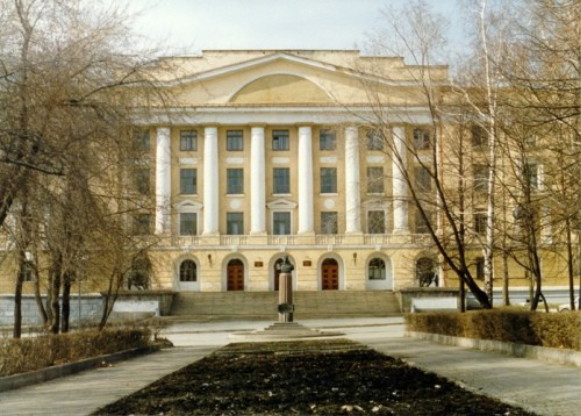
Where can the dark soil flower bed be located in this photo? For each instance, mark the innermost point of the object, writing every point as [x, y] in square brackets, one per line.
[316, 377]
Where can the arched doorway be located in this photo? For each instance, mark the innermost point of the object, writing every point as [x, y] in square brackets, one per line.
[235, 275]
[330, 275]
[426, 272]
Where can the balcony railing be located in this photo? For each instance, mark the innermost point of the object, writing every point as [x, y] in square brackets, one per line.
[294, 240]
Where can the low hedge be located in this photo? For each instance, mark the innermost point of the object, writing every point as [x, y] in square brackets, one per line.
[30, 354]
[522, 327]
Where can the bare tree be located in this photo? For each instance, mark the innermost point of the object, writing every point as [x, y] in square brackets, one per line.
[439, 200]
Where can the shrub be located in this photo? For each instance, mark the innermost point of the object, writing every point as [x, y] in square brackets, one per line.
[29, 354]
[508, 325]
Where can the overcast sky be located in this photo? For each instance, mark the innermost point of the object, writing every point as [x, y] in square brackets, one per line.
[188, 26]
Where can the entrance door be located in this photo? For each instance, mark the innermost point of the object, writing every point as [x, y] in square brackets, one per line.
[235, 275]
[330, 275]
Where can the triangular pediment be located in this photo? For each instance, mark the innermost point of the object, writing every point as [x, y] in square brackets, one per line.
[281, 204]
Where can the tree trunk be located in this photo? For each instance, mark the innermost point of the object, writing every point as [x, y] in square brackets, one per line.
[66, 307]
[17, 332]
[505, 279]
[570, 265]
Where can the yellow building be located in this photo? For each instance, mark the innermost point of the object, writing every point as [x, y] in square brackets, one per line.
[266, 154]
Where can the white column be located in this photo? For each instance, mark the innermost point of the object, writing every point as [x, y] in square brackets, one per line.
[306, 207]
[211, 182]
[352, 182]
[400, 189]
[257, 181]
[162, 181]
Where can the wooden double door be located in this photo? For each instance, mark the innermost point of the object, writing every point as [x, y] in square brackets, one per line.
[330, 275]
[235, 275]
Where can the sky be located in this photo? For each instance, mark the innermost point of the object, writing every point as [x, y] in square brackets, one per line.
[185, 27]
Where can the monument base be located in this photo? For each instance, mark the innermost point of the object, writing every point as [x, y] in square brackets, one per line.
[282, 331]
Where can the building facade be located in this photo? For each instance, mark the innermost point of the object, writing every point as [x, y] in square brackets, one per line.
[264, 155]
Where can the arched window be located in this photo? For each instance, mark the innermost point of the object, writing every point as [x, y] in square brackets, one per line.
[188, 271]
[376, 269]
[426, 272]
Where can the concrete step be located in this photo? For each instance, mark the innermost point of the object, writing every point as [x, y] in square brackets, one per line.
[257, 305]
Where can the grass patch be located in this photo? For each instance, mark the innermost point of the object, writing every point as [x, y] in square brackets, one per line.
[507, 325]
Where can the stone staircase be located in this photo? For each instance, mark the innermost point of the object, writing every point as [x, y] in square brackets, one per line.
[263, 305]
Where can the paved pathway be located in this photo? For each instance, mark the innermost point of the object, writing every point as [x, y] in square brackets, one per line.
[542, 388]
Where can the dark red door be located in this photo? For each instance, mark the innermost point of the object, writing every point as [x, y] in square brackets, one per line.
[235, 275]
[330, 275]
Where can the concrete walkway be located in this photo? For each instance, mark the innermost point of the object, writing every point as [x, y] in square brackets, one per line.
[542, 388]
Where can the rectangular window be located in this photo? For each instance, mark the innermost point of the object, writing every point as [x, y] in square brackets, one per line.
[329, 223]
[480, 175]
[531, 174]
[480, 223]
[376, 222]
[280, 140]
[281, 180]
[234, 140]
[188, 181]
[188, 223]
[327, 139]
[423, 179]
[142, 140]
[421, 224]
[479, 136]
[142, 180]
[479, 262]
[142, 224]
[234, 223]
[328, 180]
[421, 139]
[235, 181]
[281, 223]
[374, 140]
[375, 180]
[188, 140]
[27, 272]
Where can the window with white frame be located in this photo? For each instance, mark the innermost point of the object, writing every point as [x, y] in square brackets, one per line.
[480, 222]
[479, 263]
[375, 180]
[329, 224]
[376, 222]
[188, 181]
[374, 140]
[281, 223]
[280, 140]
[281, 180]
[188, 140]
[423, 178]
[376, 269]
[234, 140]
[531, 173]
[188, 223]
[328, 180]
[480, 177]
[422, 226]
[235, 181]
[327, 139]
[421, 139]
[188, 271]
[234, 223]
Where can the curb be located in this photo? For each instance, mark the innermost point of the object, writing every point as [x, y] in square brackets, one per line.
[570, 358]
[16, 381]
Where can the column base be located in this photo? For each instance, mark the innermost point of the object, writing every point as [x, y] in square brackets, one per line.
[401, 231]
